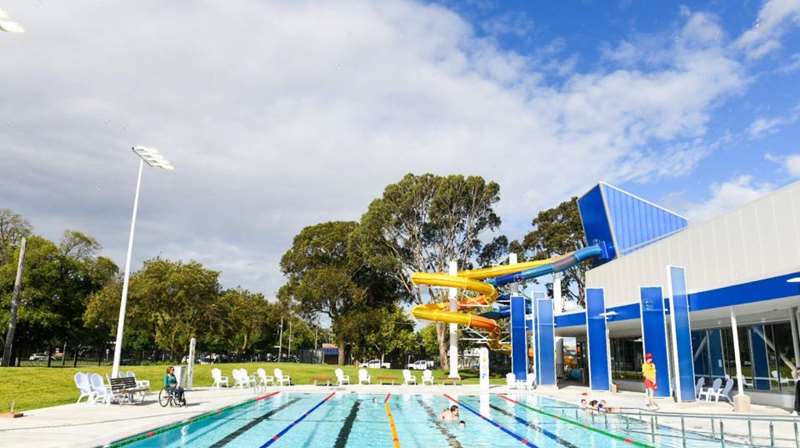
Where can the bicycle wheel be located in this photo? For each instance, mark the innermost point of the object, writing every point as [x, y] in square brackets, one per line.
[164, 398]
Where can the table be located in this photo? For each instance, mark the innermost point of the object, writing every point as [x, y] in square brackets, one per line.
[325, 379]
[391, 379]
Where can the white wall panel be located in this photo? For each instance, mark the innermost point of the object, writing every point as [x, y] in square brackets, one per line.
[760, 239]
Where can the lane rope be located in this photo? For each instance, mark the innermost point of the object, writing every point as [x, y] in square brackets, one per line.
[577, 423]
[521, 439]
[294, 423]
[392, 426]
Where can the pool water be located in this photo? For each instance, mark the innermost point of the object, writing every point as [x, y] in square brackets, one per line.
[344, 419]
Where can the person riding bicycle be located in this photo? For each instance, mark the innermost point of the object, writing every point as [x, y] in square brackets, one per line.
[171, 385]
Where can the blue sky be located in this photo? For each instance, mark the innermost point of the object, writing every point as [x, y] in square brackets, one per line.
[282, 114]
[751, 132]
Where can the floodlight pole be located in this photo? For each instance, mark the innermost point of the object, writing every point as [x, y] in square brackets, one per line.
[126, 278]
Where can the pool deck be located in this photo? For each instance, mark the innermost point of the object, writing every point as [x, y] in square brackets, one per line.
[96, 425]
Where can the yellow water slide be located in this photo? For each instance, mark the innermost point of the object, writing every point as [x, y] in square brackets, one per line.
[485, 294]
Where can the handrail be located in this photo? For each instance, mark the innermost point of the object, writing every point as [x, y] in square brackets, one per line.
[648, 412]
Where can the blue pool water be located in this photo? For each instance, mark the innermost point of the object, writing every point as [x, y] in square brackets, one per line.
[344, 419]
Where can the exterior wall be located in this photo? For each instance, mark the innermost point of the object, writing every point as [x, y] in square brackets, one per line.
[758, 240]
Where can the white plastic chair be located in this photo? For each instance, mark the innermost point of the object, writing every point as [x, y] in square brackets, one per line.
[100, 393]
[724, 394]
[82, 382]
[218, 378]
[363, 377]
[341, 377]
[713, 390]
[511, 380]
[249, 380]
[698, 387]
[408, 378]
[427, 377]
[281, 379]
[530, 381]
[139, 383]
[264, 379]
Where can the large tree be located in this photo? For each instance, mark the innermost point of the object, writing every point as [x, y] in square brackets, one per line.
[13, 227]
[326, 276]
[422, 223]
[557, 231]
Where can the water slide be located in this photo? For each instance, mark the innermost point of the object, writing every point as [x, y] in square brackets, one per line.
[483, 285]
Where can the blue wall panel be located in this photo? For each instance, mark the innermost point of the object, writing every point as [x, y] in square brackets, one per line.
[654, 336]
[597, 339]
[715, 352]
[546, 344]
[571, 319]
[760, 357]
[682, 335]
[636, 222]
[596, 224]
[519, 339]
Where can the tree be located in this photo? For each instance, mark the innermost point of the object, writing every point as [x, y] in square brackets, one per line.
[422, 223]
[170, 301]
[244, 318]
[13, 227]
[557, 231]
[325, 276]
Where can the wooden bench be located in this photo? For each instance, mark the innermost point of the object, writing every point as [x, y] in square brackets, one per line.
[325, 379]
[127, 387]
[382, 379]
[452, 381]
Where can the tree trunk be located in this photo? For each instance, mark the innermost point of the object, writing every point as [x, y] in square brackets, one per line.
[340, 343]
[49, 355]
[75, 357]
[441, 332]
[64, 355]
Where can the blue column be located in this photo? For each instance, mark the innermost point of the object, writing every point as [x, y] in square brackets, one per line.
[654, 336]
[597, 340]
[681, 334]
[546, 343]
[760, 357]
[519, 343]
[717, 361]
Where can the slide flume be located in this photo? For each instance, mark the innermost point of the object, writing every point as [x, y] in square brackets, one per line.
[487, 293]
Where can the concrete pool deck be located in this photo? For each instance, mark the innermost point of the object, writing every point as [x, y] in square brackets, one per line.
[84, 425]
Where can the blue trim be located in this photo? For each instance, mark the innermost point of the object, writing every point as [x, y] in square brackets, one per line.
[546, 344]
[655, 336]
[760, 357]
[682, 332]
[624, 312]
[750, 292]
[519, 336]
[571, 319]
[599, 368]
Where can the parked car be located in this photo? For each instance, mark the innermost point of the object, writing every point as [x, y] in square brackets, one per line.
[38, 357]
[375, 364]
[420, 365]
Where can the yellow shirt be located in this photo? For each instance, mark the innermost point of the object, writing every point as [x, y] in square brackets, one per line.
[649, 371]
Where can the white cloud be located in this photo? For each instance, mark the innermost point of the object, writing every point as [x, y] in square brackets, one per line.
[774, 19]
[790, 163]
[727, 196]
[763, 126]
[792, 66]
[282, 114]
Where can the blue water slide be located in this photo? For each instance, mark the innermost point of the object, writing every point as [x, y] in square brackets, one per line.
[560, 264]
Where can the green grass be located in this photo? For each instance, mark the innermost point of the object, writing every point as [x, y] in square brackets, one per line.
[38, 387]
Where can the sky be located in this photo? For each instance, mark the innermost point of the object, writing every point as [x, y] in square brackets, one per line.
[283, 114]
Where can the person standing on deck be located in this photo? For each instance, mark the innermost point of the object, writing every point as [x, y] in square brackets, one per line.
[649, 374]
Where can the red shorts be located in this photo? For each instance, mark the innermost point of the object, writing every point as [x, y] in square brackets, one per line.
[649, 385]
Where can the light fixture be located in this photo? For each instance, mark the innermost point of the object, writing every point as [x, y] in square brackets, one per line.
[8, 25]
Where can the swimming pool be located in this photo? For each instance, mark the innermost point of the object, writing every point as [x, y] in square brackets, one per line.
[343, 419]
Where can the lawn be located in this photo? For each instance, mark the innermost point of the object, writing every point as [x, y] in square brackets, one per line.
[38, 387]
